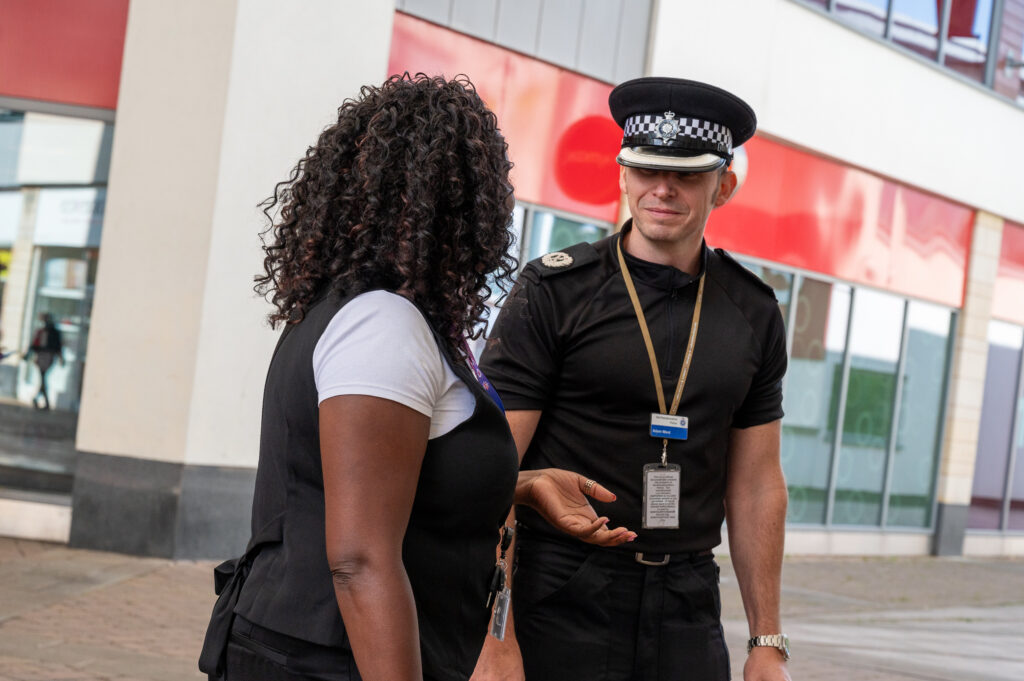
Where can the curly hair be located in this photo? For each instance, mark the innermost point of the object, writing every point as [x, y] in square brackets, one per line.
[409, 192]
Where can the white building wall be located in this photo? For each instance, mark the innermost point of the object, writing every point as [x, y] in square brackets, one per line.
[217, 103]
[816, 83]
[292, 66]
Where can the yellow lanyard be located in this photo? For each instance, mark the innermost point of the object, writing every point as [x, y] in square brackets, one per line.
[650, 346]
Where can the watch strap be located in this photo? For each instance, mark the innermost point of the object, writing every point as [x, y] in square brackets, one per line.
[779, 641]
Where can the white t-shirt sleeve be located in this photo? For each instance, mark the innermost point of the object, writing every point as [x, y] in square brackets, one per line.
[380, 345]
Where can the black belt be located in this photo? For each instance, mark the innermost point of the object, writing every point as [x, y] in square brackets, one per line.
[649, 558]
[658, 559]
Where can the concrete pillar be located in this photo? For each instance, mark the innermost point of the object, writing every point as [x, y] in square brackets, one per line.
[217, 103]
[967, 387]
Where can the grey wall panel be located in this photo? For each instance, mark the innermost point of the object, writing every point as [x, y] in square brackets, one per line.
[631, 55]
[475, 17]
[604, 39]
[559, 33]
[518, 22]
[438, 11]
[599, 35]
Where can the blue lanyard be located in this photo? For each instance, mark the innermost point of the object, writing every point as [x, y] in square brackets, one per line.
[481, 379]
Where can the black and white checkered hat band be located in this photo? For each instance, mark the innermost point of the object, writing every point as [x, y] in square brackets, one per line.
[667, 130]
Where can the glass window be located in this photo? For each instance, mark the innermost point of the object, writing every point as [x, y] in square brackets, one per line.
[867, 15]
[1016, 519]
[920, 421]
[11, 125]
[877, 326]
[970, 22]
[549, 232]
[915, 26]
[998, 408]
[808, 430]
[778, 280]
[49, 246]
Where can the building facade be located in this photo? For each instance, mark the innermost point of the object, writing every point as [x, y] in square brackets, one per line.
[880, 198]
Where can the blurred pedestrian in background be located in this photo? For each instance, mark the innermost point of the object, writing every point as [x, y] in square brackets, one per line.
[47, 346]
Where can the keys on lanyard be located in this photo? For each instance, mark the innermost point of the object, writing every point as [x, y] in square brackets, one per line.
[499, 594]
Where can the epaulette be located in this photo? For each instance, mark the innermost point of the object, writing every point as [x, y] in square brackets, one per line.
[567, 260]
[736, 265]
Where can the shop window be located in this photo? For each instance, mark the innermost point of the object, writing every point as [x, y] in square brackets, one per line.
[808, 429]
[538, 231]
[1015, 521]
[864, 398]
[12, 124]
[781, 281]
[49, 247]
[919, 431]
[967, 39]
[549, 232]
[875, 333]
[1000, 407]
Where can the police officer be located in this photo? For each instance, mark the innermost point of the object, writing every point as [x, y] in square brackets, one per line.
[651, 364]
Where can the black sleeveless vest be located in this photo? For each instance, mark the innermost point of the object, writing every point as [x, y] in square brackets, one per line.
[464, 494]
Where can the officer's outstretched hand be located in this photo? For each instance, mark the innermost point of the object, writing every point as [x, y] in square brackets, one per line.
[560, 497]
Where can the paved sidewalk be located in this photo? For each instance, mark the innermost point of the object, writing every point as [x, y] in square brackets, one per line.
[72, 615]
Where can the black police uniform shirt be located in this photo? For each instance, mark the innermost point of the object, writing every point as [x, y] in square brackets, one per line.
[567, 342]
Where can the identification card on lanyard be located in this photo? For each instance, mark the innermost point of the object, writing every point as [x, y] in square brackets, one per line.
[661, 496]
[662, 481]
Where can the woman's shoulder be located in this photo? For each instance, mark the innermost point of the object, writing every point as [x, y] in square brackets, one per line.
[384, 311]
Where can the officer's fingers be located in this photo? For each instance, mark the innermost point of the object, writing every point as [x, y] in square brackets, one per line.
[595, 489]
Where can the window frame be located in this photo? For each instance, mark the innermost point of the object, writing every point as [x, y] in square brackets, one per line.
[992, 57]
[798, 275]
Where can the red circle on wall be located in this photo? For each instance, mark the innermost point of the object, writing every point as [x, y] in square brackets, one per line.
[585, 167]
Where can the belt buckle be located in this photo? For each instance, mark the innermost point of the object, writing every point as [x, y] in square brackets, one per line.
[643, 561]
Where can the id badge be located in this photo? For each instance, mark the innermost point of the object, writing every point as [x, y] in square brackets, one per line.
[670, 427]
[661, 496]
[500, 618]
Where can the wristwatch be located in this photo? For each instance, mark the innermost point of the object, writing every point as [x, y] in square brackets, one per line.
[780, 641]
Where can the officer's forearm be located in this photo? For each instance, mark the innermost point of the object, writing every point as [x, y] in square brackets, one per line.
[756, 524]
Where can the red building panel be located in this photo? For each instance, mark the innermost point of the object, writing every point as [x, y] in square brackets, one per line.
[1008, 296]
[65, 51]
[561, 138]
[806, 211]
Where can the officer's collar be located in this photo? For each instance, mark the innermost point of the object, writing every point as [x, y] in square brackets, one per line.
[660, 276]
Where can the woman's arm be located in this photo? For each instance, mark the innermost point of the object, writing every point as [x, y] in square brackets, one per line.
[372, 450]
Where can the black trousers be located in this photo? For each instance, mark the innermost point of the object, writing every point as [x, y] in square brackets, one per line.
[584, 613]
[259, 654]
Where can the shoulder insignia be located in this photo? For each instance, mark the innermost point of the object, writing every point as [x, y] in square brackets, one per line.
[565, 260]
[738, 267]
[557, 260]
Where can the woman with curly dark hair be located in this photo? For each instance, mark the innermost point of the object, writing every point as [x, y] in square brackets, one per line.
[386, 466]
